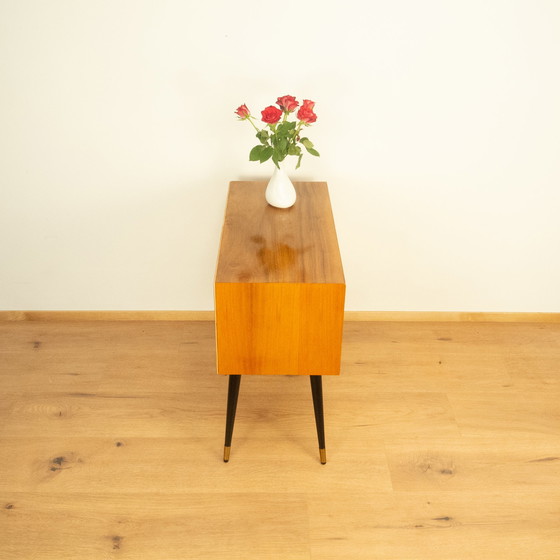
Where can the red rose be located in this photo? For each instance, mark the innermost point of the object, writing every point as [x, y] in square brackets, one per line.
[242, 111]
[271, 115]
[288, 103]
[306, 113]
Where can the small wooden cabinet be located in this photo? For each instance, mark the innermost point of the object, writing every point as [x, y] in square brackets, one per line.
[279, 290]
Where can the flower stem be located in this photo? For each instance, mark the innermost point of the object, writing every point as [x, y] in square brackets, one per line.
[254, 126]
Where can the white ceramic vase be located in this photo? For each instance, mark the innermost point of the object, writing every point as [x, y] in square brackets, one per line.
[280, 191]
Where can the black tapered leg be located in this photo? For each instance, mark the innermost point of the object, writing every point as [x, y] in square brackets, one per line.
[233, 394]
[317, 391]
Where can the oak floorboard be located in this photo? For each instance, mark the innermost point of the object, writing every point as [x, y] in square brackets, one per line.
[171, 526]
[168, 465]
[475, 464]
[507, 415]
[435, 526]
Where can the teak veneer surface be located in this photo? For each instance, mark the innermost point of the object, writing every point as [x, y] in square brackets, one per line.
[261, 243]
[279, 289]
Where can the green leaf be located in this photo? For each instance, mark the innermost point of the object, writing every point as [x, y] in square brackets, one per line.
[307, 143]
[294, 150]
[313, 152]
[266, 154]
[285, 128]
[262, 135]
[299, 160]
[282, 145]
[255, 154]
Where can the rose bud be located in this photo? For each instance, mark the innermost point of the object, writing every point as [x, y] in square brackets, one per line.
[306, 115]
[288, 103]
[308, 104]
[242, 111]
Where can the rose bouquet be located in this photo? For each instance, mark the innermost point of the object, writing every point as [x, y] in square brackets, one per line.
[281, 137]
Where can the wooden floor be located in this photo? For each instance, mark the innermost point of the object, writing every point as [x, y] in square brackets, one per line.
[443, 442]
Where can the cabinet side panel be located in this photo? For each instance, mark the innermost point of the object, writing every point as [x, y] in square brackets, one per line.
[279, 329]
[256, 331]
[232, 342]
[321, 323]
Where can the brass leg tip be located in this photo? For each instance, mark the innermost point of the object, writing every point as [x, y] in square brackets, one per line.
[226, 453]
[323, 456]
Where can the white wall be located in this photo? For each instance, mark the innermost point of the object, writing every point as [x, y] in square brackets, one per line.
[438, 128]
